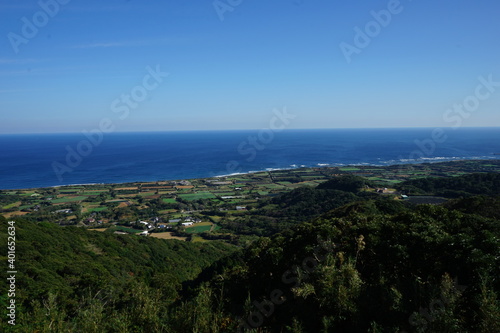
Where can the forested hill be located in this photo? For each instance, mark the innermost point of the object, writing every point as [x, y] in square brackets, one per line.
[77, 279]
[423, 269]
[453, 187]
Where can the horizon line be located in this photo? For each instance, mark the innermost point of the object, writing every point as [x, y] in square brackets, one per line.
[258, 129]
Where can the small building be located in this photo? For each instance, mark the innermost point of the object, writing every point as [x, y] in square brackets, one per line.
[65, 211]
[241, 207]
[186, 224]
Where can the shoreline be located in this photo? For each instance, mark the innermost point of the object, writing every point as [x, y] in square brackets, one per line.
[437, 160]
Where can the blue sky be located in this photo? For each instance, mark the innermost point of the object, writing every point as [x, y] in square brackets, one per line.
[231, 73]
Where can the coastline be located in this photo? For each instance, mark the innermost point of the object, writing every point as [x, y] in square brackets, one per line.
[401, 166]
[54, 160]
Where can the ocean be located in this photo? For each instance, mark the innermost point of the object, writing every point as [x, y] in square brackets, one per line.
[44, 160]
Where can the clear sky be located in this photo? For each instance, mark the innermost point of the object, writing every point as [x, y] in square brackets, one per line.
[231, 62]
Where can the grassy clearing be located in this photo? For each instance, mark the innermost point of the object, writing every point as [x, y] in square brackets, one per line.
[199, 228]
[166, 235]
[27, 194]
[11, 214]
[349, 169]
[272, 186]
[215, 218]
[12, 205]
[169, 200]
[146, 194]
[197, 196]
[97, 209]
[167, 211]
[69, 199]
[125, 229]
[198, 239]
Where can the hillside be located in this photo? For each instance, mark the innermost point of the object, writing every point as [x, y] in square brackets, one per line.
[426, 269]
[336, 257]
[81, 276]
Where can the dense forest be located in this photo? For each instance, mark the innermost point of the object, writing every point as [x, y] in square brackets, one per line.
[335, 258]
[73, 279]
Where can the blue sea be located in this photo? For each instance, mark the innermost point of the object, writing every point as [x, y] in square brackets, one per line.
[44, 160]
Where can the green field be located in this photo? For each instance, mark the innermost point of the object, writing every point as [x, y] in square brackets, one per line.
[215, 218]
[68, 191]
[97, 209]
[198, 239]
[199, 228]
[169, 200]
[125, 229]
[273, 186]
[197, 196]
[12, 205]
[225, 194]
[146, 194]
[167, 211]
[349, 169]
[68, 199]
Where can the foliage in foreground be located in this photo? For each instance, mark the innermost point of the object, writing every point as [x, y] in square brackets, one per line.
[428, 269]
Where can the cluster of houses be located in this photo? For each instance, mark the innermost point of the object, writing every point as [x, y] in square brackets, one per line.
[92, 220]
[64, 211]
[155, 222]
